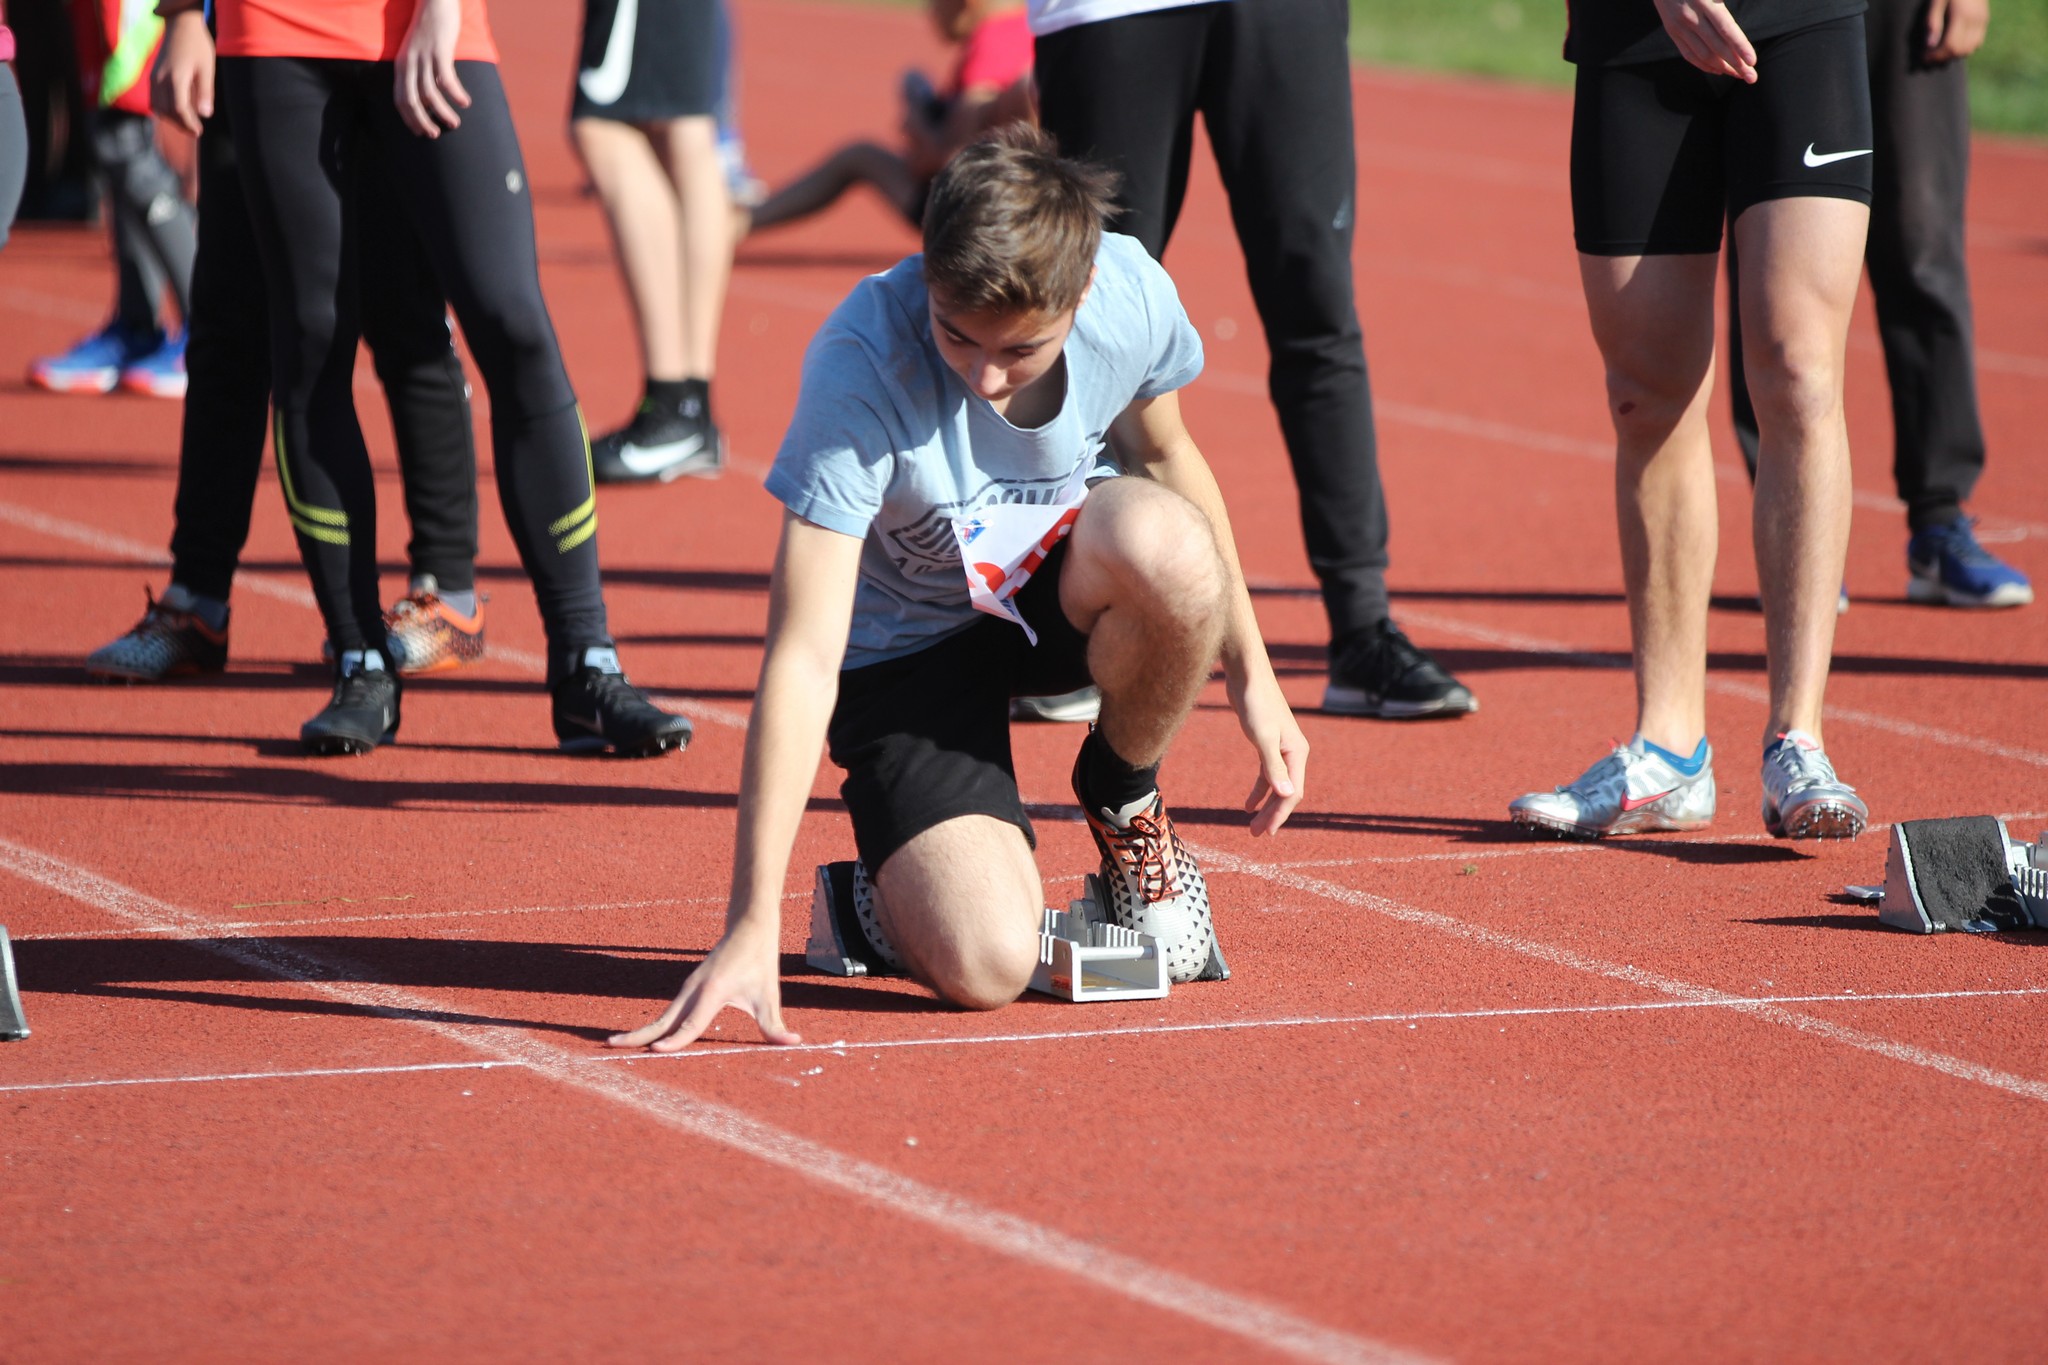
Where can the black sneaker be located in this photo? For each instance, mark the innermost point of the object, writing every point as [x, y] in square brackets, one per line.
[363, 712]
[597, 709]
[660, 444]
[1380, 672]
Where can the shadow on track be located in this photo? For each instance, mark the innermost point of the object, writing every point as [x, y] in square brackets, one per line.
[326, 785]
[181, 970]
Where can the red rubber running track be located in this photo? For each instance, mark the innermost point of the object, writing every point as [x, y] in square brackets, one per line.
[316, 1075]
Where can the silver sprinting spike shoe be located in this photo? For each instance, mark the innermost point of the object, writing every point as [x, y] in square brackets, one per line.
[1631, 791]
[1803, 799]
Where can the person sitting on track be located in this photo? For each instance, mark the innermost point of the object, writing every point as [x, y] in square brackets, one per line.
[1018, 378]
[307, 83]
[438, 625]
[990, 86]
[1684, 116]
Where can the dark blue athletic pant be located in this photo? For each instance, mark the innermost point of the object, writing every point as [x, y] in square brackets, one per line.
[300, 127]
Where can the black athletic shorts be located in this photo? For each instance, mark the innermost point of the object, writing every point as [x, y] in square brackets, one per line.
[926, 737]
[1662, 152]
[647, 61]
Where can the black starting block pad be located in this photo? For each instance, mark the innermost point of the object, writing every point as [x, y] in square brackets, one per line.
[1964, 874]
[13, 1023]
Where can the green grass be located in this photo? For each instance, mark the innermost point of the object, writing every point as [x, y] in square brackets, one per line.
[1521, 40]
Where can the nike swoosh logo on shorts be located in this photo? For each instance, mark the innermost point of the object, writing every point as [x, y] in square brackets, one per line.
[1823, 159]
[1629, 803]
[604, 83]
[654, 459]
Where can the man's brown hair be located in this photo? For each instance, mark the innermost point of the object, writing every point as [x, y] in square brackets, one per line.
[1012, 226]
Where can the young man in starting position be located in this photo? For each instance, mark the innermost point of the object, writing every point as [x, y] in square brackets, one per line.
[1011, 391]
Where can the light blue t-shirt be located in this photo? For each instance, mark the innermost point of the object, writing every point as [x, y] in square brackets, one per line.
[889, 444]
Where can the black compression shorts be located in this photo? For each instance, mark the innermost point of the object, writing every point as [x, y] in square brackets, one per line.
[926, 738]
[647, 61]
[1662, 152]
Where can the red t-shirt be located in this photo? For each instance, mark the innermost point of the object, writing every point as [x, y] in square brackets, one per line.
[996, 55]
[353, 30]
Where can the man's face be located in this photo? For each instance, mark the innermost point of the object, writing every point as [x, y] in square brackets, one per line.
[999, 354]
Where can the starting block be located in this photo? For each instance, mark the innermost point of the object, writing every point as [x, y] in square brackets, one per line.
[1082, 957]
[1963, 874]
[13, 1023]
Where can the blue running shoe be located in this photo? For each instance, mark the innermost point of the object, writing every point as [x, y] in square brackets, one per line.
[161, 373]
[95, 364]
[1949, 568]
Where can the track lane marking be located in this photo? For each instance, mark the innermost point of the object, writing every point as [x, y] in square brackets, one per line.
[1256, 1321]
[844, 1047]
[1672, 987]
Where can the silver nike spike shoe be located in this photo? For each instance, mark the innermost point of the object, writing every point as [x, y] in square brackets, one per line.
[1631, 791]
[1803, 799]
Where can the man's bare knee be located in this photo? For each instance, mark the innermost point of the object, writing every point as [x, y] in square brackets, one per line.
[1645, 406]
[1160, 547]
[1796, 389]
[986, 975]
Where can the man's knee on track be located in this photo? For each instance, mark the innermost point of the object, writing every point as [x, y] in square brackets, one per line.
[986, 972]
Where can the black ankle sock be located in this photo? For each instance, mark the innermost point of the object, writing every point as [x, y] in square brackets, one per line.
[1106, 781]
[676, 395]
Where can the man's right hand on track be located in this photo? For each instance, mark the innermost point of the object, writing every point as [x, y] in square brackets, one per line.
[743, 971]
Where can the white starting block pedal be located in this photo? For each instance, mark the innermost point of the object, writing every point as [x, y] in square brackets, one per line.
[13, 1023]
[1082, 957]
[1963, 874]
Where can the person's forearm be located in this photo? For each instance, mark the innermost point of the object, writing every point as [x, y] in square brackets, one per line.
[1244, 648]
[792, 708]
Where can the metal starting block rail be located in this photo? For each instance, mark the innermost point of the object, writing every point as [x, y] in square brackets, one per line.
[13, 1023]
[1964, 874]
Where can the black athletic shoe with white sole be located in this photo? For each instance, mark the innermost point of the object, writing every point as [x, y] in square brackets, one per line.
[659, 445]
[1381, 672]
[362, 713]
[596, 710]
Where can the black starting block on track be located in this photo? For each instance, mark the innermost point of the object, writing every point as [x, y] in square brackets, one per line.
[1964, 874]
[13, 1023]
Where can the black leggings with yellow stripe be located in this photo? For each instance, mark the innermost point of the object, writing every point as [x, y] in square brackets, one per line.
[299, 125]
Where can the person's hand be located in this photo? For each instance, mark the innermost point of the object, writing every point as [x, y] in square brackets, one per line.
[181, 82]
[424, 84]
[1955, 28]
[743, 971]
[1708, 37]
[1269, 724]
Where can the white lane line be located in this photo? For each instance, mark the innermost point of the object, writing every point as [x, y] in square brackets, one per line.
[121, 547]
[1672, 987]
[241, 928]
[1253, 1320]
[1729, 687]
[845, 1047]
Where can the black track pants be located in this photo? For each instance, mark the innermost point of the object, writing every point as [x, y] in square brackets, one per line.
[227, 360]
[1917, 270]
[1272, 81]
[301, 128]
[154, 232]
